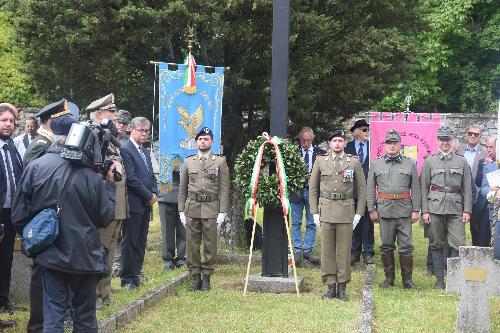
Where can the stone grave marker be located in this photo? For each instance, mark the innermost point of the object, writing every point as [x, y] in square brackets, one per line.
[475, 276]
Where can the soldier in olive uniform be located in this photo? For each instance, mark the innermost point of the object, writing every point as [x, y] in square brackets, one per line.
[101, 109]
[445, 181]
[393, 195]
[122, 120]
[333, 179]
[203, 204]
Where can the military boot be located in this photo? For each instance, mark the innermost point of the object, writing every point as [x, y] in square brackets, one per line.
[438, 263]
[341, 292]
[196, 284]
[406, 263]
[332, 291]
[205, 283]
[389, 270]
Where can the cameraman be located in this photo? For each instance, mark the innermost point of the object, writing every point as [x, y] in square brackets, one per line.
[73, 263]
[102, 110]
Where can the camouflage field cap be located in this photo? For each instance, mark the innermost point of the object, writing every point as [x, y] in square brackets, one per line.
[123, 116]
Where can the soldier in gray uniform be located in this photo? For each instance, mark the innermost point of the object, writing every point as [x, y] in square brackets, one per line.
[393, 193]
[333, 179]
[203, 205]
[445, 181]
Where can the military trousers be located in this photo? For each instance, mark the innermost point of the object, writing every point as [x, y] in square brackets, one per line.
[196, 231]
[392, 229]
[446, 230]
[336, 240]
[109, 239]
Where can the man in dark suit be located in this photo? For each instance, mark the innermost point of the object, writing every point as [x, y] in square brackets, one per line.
[141, 189]
[300, 201]
[363, 237]
[11, 168]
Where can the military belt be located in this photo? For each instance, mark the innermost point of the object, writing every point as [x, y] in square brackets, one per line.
[446, 189]
[395, 196]
[202, 197]
[335, 195]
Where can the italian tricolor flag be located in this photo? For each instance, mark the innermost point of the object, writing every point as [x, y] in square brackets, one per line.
[189, 75]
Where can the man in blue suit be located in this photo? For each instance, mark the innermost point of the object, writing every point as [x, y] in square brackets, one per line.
[142, 189]
[11, 168]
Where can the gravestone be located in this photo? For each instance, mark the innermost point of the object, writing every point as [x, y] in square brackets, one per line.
[475, 276]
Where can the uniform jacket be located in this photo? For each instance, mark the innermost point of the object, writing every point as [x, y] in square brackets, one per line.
[325, 179]
[38, 146]
[121, 207]
[17, 169]
[393, 178]
[87, 206]
[213, 179]
[141, 181]
[452, 172]
[316, 151]
[480, 154]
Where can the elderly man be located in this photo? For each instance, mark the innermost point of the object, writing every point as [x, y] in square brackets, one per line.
[445, 182]
[300, 201]
[23, 141]
[333, 179]
[363, 237]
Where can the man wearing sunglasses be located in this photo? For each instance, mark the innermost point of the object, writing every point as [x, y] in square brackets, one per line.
[363, 238]
[473, 153]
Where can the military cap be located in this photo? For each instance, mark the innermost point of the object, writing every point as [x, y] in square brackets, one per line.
[106, 103]
[359, 123]
[336, 133]
[392, 136]
[61, 124]
[9, 107]
[444, 133]
[204, 131]
[123, 116]
[53, 109]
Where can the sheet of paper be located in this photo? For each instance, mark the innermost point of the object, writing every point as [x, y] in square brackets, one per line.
[493, 178]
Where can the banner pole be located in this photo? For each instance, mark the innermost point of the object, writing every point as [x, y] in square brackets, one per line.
[155, 64]
[251, 249]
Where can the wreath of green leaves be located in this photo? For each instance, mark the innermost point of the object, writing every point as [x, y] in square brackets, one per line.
[268, 194]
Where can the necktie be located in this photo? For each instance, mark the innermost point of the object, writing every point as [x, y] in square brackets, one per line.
[336, 163]
[361, 153]
[8, 166]
[494, 221]
[203, 160]
[306, 160]
[141, 150]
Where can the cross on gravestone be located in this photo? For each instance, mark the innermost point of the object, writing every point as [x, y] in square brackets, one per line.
[475, 276]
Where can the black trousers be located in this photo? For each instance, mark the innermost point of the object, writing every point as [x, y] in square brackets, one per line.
[6, 255]
[480, 227]
[173, 232]
[363, 237]
[133, 246]
[35, 323]
[58, 288]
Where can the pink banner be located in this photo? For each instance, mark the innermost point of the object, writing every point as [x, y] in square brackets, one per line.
[418, 137]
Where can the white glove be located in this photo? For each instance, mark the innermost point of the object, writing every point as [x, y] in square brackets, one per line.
[220, 218]
[316, 221]
[183, 218]
[355, 221]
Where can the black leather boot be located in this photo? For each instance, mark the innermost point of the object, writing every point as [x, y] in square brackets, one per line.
[332, 291]
[196, 284]
[438, 263]
[341, 292]
[205, 283]
[389, 270]
[406, 263]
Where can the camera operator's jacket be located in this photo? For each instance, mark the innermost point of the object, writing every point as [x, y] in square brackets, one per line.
[211, 182]
[88, 205]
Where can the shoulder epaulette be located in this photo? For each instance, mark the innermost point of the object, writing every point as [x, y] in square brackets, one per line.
[325, 154]
[349, 155]
[462, 155]
[190, 155]
[42, 141]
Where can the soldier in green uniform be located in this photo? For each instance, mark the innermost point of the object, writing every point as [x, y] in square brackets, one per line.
[39, 145]
[333, 179]
[445, 181]
[100, 110]
[122, 120]
[393, 195]
[203, 204]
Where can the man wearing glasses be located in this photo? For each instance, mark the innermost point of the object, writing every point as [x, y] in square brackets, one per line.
[473, 153]
[363, 238]
[141, 190]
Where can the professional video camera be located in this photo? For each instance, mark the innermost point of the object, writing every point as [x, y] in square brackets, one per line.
[87, 144]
